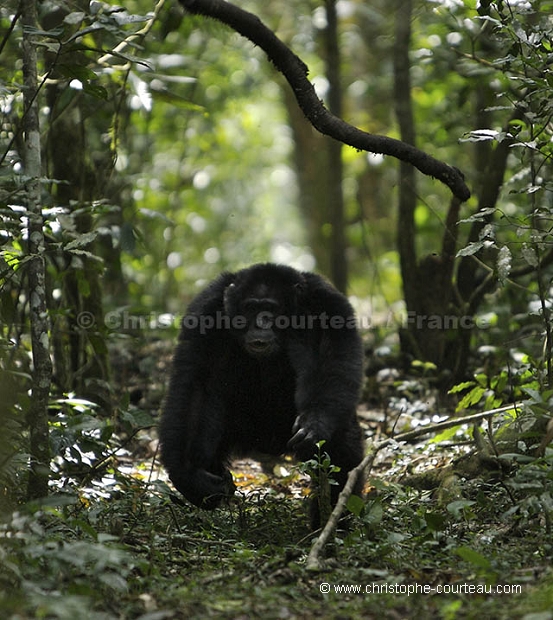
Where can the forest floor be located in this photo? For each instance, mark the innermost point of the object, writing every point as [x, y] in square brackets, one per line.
[115, 540]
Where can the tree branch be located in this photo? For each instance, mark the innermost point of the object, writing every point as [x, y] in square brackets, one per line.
[295, 71]
[313, 561]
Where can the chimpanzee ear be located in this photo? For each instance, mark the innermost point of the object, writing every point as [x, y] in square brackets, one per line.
[226, 297]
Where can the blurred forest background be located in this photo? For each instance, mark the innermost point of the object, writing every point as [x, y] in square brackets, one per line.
[149, 149]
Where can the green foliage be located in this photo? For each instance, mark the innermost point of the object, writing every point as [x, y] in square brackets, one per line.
[186, 170]
[130, 550]
[320, 469]
[15, 380]
[44, 551]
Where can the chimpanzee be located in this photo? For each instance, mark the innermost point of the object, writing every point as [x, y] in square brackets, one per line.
[269, 360]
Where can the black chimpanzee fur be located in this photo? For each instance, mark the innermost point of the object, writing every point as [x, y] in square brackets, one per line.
[269, 360]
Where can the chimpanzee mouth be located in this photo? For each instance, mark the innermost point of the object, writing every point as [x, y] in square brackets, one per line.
[259, 347]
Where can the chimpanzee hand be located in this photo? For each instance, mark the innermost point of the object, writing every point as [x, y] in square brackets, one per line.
[308, 429]
[203, 488]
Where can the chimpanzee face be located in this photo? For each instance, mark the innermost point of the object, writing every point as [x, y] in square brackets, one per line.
[258, 308]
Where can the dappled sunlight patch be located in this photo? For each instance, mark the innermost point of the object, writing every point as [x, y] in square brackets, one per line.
[274, 476]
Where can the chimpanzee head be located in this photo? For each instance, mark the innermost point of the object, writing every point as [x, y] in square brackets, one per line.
[261, 301]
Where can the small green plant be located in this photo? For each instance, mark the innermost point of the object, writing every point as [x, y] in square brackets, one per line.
[321, 469]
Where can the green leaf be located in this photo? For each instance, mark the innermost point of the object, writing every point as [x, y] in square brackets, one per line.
[457, 507]
[175, 100]
[446, 434]
[471, 398]
[374, 514]
[81, 241]
[460, 387]
[138, 418]
[95, 90]
[471, 248]
[479, 216]
[355, 505]
[481, 135]
[78, 72]
[87, 254]
[529, 255]
[55, 33]
[503, 264]
[435, 521]
[74, 18]
[472, 556]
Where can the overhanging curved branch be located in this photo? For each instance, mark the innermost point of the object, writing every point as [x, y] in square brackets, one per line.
[295, 71]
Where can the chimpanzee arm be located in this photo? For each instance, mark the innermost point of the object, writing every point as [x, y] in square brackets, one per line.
[193, 420]
[328, 360]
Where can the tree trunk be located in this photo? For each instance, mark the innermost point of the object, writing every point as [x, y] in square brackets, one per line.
[334, 174]
[430, 333]
[407, 182]
[42, 366]
[310, 162]
[319, 169]
[439, 306]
